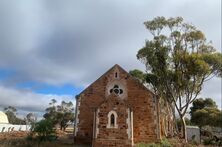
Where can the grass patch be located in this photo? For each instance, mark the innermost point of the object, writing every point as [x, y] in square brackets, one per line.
[164, 143]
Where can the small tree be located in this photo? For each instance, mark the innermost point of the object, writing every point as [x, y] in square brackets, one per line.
[44, 131]
[65, 114]
[11, 113]
[31, 118]
[60, 114]
[205, 112]
[201, 103]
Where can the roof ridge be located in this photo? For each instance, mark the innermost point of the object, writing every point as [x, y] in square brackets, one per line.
[118, 66]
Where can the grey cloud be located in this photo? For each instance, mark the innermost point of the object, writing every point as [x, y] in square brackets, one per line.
[74, 42]
[28, 101]
[213, 89]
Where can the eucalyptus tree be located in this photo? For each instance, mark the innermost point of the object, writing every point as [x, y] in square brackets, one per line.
[60, 114]
[11, 113]
[178, 60]
[31, 118]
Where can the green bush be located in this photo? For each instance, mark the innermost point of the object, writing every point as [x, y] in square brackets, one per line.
[147, 145]
[165, 143]
[43, 131]
[208, 141]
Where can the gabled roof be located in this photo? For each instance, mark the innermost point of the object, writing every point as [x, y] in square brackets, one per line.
[120, 68]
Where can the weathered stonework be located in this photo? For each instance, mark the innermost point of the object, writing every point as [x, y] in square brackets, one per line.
[136, 109]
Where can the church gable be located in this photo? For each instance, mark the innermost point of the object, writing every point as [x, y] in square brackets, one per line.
[116, 106]
[113, 81]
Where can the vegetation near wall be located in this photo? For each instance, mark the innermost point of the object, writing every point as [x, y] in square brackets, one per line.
[164, 143]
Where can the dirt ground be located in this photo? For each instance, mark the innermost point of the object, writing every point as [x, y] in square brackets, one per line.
[19, 139]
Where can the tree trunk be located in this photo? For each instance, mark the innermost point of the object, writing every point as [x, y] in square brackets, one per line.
[200, 133]
[60, 126]
[183, 128]
[175, 126]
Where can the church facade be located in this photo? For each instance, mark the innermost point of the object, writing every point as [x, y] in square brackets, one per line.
[117, 110]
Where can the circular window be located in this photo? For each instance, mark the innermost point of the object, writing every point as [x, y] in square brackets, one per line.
[116, 89]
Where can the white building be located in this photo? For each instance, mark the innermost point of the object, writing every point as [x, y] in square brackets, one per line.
[3, 118]
[5, 126]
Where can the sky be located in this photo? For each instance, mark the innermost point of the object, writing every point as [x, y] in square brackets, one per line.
[53, 49]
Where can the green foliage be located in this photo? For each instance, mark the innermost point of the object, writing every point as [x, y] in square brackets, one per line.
[44, 131]
[164, 143]
[147, 145]
[178, 60]
[60, 114]
[218, 120]
[178, 55]
[201, 103]
[138, 74]
[205, 112]
[31, 118]
[179, 122]
[208, 141]
[10, 111]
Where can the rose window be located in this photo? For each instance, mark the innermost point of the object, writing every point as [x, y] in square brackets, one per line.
[117, 90]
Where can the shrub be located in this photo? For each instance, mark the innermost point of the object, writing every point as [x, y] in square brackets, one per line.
[208, 141]
[147, 145]
[165, 143]
[44, 131]
[213, 141]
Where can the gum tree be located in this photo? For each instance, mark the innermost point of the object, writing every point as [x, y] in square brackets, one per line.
[178, 61]
[60, 114]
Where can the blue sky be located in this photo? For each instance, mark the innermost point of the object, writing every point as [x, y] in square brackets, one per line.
[49, 89]
[54, 49]
[6, 73]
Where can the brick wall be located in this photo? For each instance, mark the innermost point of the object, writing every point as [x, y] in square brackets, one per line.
[136, 97]
[118, 135]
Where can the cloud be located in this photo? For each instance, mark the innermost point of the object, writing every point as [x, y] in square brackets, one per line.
[27, 101]
[62, 42]
[74, 42]
[213, 89]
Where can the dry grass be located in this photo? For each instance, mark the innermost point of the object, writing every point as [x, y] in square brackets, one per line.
[18, 139]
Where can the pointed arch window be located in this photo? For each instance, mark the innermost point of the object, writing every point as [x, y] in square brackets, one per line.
[112, 120]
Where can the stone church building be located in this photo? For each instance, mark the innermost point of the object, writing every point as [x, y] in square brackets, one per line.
[117, 110]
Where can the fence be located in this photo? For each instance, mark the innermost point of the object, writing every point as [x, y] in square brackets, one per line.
[11, 127]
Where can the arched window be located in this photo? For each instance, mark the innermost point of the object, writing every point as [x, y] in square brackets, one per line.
[112, 120]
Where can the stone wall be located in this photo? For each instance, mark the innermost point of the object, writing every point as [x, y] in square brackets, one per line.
[88, 101]
[144, 112]
[139, 99]
[116, 135]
